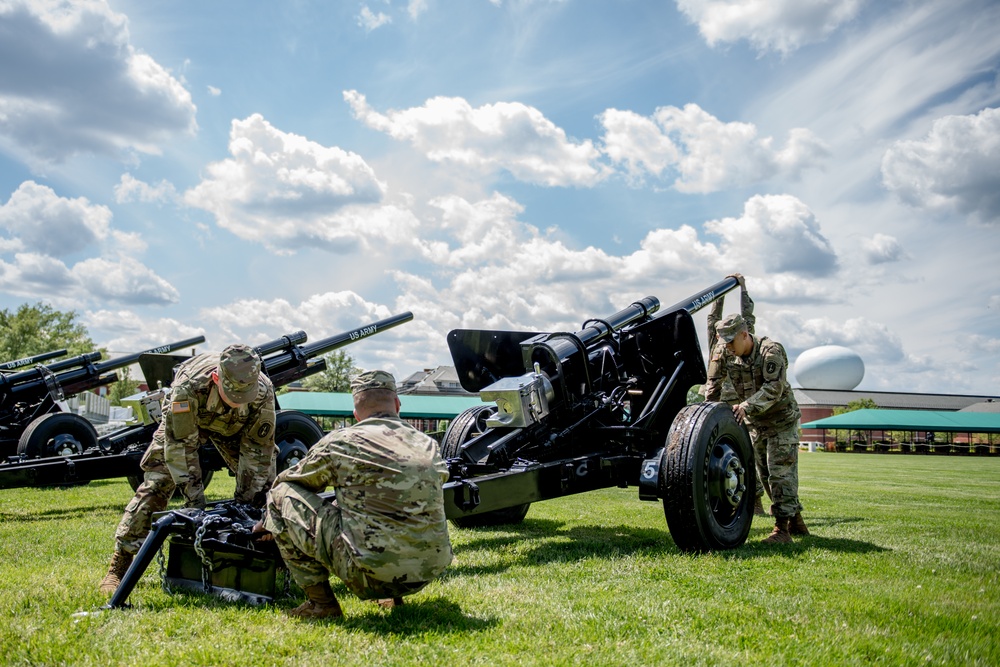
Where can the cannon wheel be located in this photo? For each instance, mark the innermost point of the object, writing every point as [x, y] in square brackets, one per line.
[708, 479]
[463, 428]
[57, 434]
[294, 434]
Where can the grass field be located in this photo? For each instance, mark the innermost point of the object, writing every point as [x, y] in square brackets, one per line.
[902, 569]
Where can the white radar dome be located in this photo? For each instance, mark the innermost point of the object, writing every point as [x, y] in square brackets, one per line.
[829, 367]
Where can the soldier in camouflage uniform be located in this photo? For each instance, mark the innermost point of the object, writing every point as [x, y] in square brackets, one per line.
[385, 533]
[222, 399]
[728, 393]
[757, 368]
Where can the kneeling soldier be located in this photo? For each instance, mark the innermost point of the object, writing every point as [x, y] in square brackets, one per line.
[385, 533]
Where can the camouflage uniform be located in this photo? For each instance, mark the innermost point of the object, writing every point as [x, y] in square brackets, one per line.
[385, 535]
[729, 394]
[194, 415]
[772, 415]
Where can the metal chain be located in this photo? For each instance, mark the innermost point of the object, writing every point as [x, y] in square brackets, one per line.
[206, 562]
[162, 562]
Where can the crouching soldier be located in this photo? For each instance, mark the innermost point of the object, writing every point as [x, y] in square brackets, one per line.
[385, 533]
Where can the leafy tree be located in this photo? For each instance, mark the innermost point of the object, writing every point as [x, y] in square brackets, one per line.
[694, 396]
[39, 328]
[337, 376]
[123, 388]
[857, 404]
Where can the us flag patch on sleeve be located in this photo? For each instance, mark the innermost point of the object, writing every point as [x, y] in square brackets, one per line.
[180, 406]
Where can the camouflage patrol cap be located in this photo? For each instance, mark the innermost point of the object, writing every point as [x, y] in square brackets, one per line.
[730, 327]
[372, 380]
[239, 369]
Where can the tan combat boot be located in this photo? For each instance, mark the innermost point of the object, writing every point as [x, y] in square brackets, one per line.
[758, 507]
[320, 603]
[120, 560]
[780, 533]
[796, 526]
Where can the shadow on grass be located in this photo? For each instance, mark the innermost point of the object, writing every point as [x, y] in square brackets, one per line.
[416, 617]
[541, 541]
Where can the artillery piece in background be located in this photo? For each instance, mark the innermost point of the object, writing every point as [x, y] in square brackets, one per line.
[605, 406]
[31, 422]
[43, 461]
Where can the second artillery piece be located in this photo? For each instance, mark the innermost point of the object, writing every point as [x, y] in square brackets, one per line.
[117, 454]
[604, 406]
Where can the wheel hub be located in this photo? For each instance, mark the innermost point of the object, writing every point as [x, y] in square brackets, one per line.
[729, 475]
[65, 445]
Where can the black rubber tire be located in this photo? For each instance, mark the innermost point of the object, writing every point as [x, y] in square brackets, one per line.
[708, 453]
[294, 434]
[57, 434]
[463, 428]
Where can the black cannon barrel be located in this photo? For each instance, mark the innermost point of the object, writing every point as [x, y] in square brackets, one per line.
[129, 359]
[37, 373]
[286, 342]
[78, 374]
[595, 329]
[29, 361]
[293, 364]
[325, 345]
[696, 302]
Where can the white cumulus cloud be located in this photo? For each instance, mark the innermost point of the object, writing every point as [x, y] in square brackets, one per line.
[507, 136]
[705, 153]
[43, 222]
[46, 230]
[955, 168]
[79, 85]
[778, 233]
[287, 192]
[882, 249]
[769, 25]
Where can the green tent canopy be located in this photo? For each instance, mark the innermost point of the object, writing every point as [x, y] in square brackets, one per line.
[912, 420]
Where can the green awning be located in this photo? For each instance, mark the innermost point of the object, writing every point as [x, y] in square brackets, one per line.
[411, 407]
[912, 420]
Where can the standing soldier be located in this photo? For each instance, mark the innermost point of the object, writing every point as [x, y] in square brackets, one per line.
[219, 398]
[728, 392]
[385, 533]
[757, 367]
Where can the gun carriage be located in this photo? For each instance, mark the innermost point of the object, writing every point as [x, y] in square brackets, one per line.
[69, 452]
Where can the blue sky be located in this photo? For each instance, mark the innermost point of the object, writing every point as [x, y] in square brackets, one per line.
[246, 169]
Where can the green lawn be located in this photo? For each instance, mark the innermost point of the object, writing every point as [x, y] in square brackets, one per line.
[902, 569]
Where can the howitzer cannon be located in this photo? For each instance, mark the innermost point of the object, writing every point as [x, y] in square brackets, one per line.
[117, 454]
[10, 366]
[604, 406]
[31, 422]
